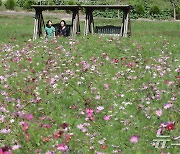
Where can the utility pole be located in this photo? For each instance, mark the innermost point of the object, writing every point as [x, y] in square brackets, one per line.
[173, 3]
[118, 10]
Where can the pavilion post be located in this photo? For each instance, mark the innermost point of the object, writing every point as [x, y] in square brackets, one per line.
[78, 23]
[38, 24]
[86, 28]
[35, 25]
[125, 28]
[75, 23]
[129, 24]
[89, 22]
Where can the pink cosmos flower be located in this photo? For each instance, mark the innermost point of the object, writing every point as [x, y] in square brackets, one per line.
[147, 67]
[106, 56]
[2, 118]
[84, 130]
[170, 126]
[5, 131]
[38, 99]
[134, 139]
[93, 90]
[2, 77]
[50, 152]
[116, 61]
[163, 126]
[64, 125]
[47, 126]
[27, 137]
[15, 147]
[52, 81]
[167, 106]
[74, 107]
[26, 126]
[107, 117]
[99, 109]
[29, 116]
[80, 126]
[29, 59]
[99, 152]
[5, 150]
[98, 97]
[85, 65]
[89, 112]
[58, 134]
[159, 113]
[3, 109]
[101, 142]
[106, 86]
[62, 147]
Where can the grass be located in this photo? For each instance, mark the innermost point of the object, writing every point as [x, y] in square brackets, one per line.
[116, 89]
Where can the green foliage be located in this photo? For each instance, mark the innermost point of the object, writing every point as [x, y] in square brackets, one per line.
[20, 3]
[140, 10]
[59, 2]
[51, 3]
[27, 4]
[10, 4]
[0, 2]
[106, 14]
[71, 2]
[178, 13]
[155, 10]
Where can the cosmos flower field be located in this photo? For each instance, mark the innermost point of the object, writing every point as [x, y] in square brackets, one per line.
[89, 95]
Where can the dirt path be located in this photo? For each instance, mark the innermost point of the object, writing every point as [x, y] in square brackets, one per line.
[45, 14]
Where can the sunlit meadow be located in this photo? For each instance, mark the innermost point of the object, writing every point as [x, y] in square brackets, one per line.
[94, 94]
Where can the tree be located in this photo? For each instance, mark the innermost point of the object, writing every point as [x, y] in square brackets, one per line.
[174, 5]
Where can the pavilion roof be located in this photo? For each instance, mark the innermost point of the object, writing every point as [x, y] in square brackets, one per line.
[74, 7]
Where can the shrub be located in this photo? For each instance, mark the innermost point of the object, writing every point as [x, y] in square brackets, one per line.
[139, 9]
[20, 3]
[0, 2]
[71, 2]
[51, 3]
[178, 13]
[155, 10]
[59, 2]
[27, 4]
[10, 4]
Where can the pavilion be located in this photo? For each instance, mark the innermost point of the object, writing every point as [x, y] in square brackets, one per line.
[125, 27]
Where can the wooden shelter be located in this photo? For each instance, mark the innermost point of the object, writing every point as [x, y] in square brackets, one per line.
[125, 26]
[89, 21]
[39, 21]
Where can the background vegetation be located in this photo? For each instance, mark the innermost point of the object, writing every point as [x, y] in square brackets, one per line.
[154, 9]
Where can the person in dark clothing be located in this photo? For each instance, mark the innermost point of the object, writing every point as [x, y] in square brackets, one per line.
[63, 29]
